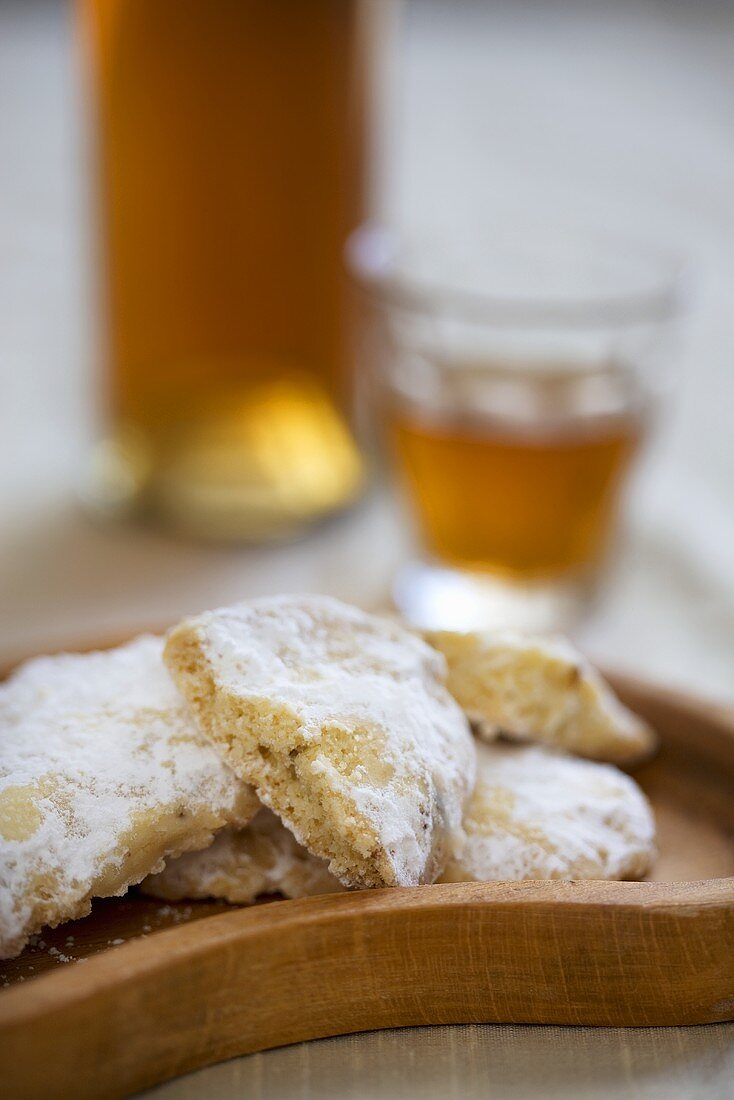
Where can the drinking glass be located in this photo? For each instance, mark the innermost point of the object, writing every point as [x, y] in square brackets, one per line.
[516, 381]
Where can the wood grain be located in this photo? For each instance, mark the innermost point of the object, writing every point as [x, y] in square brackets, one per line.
[593, 953]
[224, 981]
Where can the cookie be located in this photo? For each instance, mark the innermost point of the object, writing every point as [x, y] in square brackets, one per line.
[540, 814]
[341, 722]
[103, 774]
[243, 864]
[540, 689]
[535, 814]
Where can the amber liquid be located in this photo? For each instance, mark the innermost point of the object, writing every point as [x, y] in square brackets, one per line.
[229, 135]
[526, 503]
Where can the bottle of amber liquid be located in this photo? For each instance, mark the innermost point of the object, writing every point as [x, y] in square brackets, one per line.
[229, 138]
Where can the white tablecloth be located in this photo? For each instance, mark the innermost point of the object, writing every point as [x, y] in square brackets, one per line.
[480, 1063]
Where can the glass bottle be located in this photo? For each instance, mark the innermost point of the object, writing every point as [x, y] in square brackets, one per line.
[229, 146]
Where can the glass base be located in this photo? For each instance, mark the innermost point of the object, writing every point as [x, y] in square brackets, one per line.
[434, 597]
[256, 466]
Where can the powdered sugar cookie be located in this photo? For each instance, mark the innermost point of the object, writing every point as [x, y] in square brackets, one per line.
[341, 722]
[540, 689]
[535, 814]
[539, 814]
[102, 775]
[243, 864]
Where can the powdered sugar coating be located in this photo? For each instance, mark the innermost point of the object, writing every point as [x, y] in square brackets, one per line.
[243, 864]
[341, 722]
[538, 814]
[540, 689]
[102, 775]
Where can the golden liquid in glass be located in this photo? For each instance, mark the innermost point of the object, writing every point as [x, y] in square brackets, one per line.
[522, 502]
[229, 135]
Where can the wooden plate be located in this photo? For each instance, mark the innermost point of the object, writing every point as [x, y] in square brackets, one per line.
[165, 989]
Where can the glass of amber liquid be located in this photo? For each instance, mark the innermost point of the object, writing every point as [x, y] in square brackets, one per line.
[516, 383]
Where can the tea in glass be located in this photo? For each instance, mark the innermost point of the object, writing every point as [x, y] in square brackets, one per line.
[519, 499]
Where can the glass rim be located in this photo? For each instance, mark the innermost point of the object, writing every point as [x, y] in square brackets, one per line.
[373, 250]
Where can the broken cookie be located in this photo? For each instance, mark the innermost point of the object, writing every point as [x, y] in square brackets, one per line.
[103, 774]
[540, 689]
[341, 722]
[244, 864]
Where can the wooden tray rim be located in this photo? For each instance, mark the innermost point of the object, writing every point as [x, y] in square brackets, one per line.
[59, 989]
